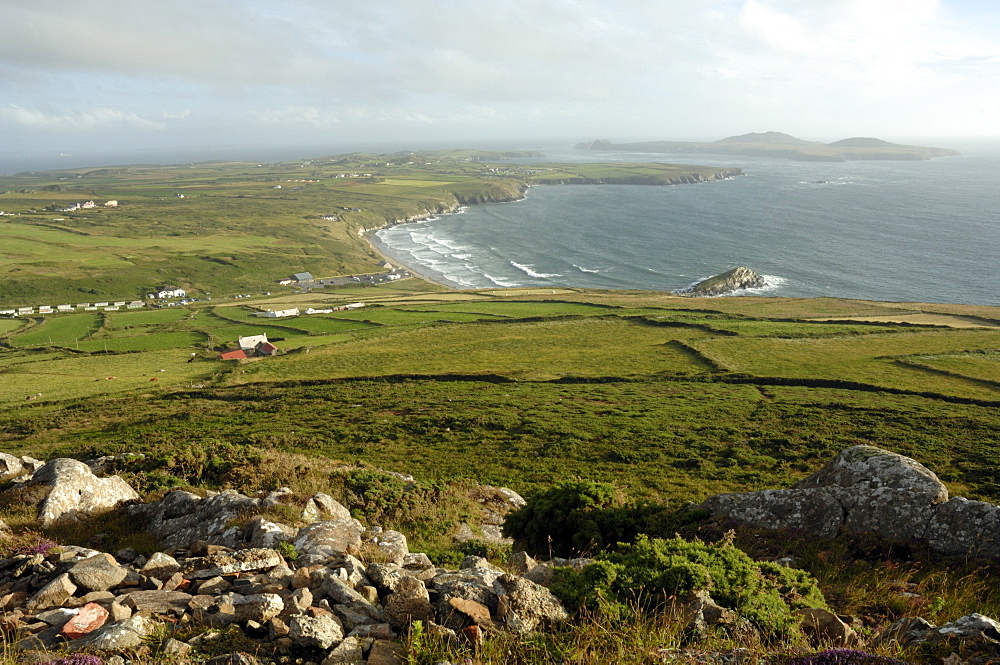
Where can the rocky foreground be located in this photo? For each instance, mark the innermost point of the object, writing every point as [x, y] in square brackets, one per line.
[337, 592]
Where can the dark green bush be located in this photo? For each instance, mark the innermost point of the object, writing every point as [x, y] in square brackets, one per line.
[577, 517]
[653, 571]
[562, 519]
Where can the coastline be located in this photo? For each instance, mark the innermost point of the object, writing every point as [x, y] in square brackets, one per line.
[385, 252]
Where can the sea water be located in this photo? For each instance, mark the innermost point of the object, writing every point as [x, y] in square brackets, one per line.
[882, 230]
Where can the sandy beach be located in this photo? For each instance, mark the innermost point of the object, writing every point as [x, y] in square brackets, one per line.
[428, 275]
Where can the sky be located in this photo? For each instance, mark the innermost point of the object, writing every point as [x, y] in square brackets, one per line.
[125, 75]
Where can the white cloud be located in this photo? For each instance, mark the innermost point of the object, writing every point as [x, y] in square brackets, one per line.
[75, 120]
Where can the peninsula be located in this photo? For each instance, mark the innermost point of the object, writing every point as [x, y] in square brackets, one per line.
[777, 144]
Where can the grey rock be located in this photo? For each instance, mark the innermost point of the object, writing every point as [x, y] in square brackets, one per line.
[409, 603]
[866, 468]
[72, 490]
[385, 576]
[417, 561]
[10, 467]
[260, 607]
[53, 594]
[226, 563]
[896, 514]
[340, 591]
[126, 634]
[322, 631]
[98, 573]
[348, 652]
[816, 511]
[156, 601]
[160, 565]
[298, 602]
[393, 545]
[323, 507]
[261, 532]
[961, 526]
[180, 518]
[525, 606]
[321, 541]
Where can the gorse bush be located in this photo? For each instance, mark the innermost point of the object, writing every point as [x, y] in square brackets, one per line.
[579, 516]
[563, 518]
[652, 572]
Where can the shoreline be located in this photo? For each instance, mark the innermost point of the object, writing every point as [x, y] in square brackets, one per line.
[385, 252]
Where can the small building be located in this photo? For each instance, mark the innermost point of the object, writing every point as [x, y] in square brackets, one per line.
[165, 293]
[286, 282]
[100, 304]
[303, 277]
[326, 310]
[250, 342]
[111, 204]
[279, 313]
[266, 349]
[64, 308]
[45, 309]
[8, 312]
[120, 303]
[25, 310]
[233, 355]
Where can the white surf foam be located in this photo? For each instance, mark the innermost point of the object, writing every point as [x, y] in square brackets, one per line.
[530, 272]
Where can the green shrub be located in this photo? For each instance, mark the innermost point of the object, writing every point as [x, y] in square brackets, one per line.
[575, 517]
[561, 519]
[653, 571]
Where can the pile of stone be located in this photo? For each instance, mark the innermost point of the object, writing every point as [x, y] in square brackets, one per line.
[221, 570]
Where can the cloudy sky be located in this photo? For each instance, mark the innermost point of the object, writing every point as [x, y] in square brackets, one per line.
[90, 75]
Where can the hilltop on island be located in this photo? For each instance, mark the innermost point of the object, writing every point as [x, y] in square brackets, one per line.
[778, 144]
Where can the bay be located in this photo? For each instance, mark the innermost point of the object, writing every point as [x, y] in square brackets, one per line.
[890, 230]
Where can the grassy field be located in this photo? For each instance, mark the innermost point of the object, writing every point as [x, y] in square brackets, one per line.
[667, 397]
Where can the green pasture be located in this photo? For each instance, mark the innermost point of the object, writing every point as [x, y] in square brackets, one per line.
[60, 378]
[145, 317]
[526, 351]
[8, 326]
[146, 341]
[59, 330]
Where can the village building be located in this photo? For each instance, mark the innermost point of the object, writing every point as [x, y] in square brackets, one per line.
[303, 277]
[250, 342]
[165, 293]
[111, 204]
[279, 313]
[233, 355]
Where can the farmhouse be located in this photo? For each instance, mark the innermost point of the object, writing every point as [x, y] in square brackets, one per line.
[250, 342]
[233, 355]
[164, 293]
[279, 313]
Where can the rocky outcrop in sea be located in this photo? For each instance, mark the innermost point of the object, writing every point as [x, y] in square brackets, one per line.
[725, 283]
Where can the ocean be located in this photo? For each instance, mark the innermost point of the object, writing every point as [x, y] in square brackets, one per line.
[924, 231]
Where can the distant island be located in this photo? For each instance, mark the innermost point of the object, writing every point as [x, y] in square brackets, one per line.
[777, 144]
